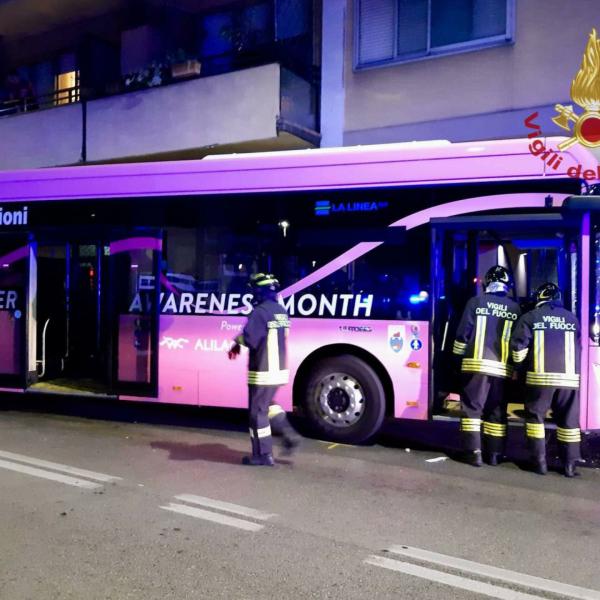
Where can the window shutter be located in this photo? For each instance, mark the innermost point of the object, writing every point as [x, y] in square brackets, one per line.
[376, 30]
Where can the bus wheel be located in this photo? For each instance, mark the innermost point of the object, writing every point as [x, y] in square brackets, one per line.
[344, 400]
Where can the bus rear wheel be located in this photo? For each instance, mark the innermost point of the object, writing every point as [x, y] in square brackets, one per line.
[344, 399]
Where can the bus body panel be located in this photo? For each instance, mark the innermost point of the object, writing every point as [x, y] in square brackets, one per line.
[358, 167]
[592, 402]
[194, 369]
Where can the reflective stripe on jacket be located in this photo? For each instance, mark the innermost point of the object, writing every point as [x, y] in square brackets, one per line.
[265, 335]
[483, 334]
[546, 342]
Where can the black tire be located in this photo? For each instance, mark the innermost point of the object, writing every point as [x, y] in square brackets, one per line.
[362, 378]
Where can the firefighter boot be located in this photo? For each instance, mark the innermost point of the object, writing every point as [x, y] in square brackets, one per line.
[290, 443]
[473, 458]
[569, 469]
[492, 458]
[539, 466]
[259, 460]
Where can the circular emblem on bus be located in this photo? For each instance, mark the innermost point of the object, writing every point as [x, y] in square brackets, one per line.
[416, 344]
[17, 314]
[396, 342]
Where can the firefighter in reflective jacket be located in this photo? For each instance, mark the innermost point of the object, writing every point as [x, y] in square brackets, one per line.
[482, 340]
[545, 342]
[265, 335]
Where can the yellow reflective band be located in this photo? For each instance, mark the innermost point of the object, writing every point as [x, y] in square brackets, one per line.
[519, 356]
[480, 336]
[552, 379]
[499, 426]
[487, 366]
[569, 440]
[568, 435]
[570, 352]
[494, 429]
[263, 432]
[505, 340]
[535, 430]
[538, 351]
[470, 425]
[459, 347]
[272, 350]
[275, 410]
[268, 377]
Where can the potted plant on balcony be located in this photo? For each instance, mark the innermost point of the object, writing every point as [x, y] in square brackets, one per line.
[184, 66]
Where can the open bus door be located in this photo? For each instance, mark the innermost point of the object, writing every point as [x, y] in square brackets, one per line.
[534, 248]
[134, 263]
[17, 311]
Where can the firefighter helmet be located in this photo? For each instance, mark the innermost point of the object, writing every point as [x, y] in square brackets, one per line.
[497, 274]
[547, 292]
[263, 286]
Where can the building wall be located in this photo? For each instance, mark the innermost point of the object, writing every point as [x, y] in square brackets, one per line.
[233, 108]
[224, 109]
[494, 87]
[44, 138]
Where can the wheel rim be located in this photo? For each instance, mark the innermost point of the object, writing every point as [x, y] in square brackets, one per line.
[340, 399]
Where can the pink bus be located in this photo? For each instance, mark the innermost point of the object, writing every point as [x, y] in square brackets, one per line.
[129, 281]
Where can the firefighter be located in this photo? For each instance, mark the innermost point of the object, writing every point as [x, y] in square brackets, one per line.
[545, 342]
[482, 340]
[265, 335]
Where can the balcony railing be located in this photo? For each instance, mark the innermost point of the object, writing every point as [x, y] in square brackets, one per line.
[31, 103]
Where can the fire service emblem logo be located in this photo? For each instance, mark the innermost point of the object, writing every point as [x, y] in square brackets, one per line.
[585, 91]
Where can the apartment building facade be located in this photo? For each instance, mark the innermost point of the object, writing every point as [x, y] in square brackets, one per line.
[403, 70]
[122, 80]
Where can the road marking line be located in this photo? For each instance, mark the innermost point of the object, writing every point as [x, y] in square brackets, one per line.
[226, 506]
[199, 513]
[512, 577]
[4, 464]
[58, 467]
[436, 459]
[332, 446]
[455, 581]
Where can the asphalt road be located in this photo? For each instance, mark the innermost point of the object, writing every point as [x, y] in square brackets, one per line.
[97, 508]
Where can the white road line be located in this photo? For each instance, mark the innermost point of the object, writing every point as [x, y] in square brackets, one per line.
[437, 459]
[479, 587]
[512, 577]
[199, 513]
[58, 467]
[226, 506]
[4, 464]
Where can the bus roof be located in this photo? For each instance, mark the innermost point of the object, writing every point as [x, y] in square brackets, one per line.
[387, 165]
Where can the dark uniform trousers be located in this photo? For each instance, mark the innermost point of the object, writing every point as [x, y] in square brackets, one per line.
[483, 403]
[265, 418]
[565, 408]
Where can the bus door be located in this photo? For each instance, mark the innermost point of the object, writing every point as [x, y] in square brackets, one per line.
[17, 261]
[135, 259]
[71, 312]
[534, 249]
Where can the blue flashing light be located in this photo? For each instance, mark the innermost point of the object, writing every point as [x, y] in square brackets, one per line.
[419, 298]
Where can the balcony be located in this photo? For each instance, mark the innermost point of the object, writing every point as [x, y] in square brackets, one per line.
[259, 108]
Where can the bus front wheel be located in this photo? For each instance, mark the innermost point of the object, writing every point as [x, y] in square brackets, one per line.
[344, 399]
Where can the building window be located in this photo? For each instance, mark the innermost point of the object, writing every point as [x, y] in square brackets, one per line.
[392, 31]
[66, 88]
